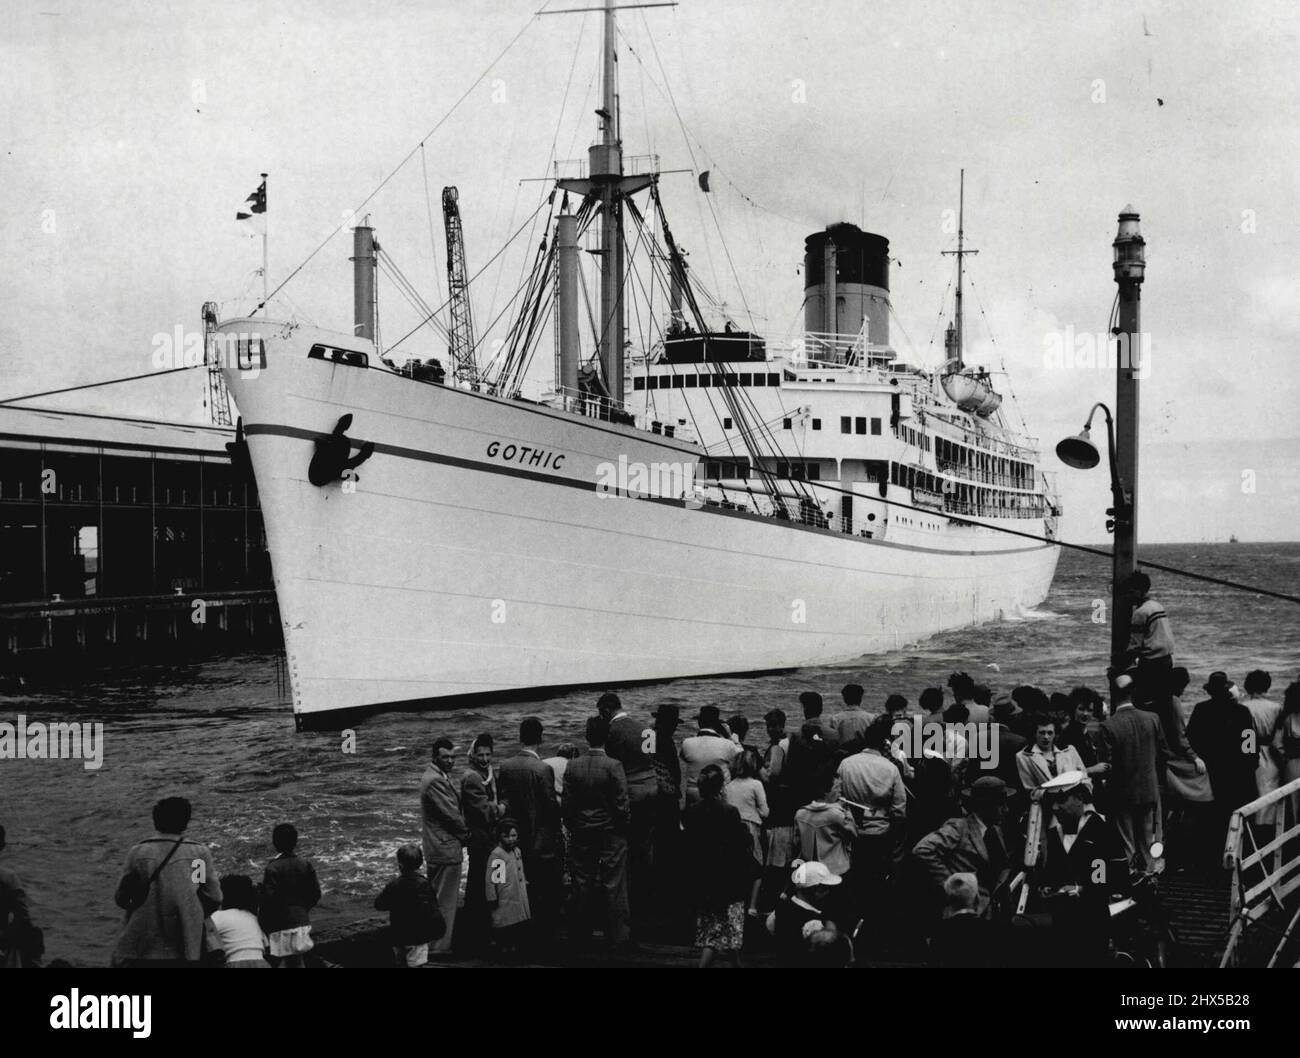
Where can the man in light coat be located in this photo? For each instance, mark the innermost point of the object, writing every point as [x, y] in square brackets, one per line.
[444, 834]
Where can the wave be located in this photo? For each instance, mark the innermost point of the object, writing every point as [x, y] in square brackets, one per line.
[1025, 614]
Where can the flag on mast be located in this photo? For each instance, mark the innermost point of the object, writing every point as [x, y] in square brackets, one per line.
[255, 203]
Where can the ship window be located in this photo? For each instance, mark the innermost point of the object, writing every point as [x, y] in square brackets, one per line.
[731, 378]
[875, 427]
[786, 424]
[691, 381]
[677, 382]
[814, 472]
[846, 424]
[638, 383]
[704, 382]
[745, 378]
[760, 379]
[774, 379]
[860, 425]
[351, 357]
[726, 424]
[817, 424]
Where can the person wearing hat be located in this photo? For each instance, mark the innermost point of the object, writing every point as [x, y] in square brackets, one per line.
[709, 746]
[1133, 741]
[1221, 731]
[809, 902]
[973, 843]
[1082, 849]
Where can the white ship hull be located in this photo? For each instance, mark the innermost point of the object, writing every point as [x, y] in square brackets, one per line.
[451, 569]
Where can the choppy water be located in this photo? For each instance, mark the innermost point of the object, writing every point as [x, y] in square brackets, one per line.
[219, 733]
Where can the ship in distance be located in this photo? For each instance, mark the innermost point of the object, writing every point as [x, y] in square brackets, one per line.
[708, 500]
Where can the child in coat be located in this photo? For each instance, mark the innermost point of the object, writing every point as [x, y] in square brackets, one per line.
[414, 920]
[506, 889]
[289, 892]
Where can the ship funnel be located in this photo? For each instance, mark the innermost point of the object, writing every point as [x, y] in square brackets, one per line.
[363, 280]
[846, 281]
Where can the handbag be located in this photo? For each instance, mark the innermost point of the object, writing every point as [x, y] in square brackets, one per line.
[132, 893]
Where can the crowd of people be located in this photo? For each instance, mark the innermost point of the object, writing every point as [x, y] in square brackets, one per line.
[894, 829]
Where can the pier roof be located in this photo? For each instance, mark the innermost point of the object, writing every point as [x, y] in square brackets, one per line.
[55, 426]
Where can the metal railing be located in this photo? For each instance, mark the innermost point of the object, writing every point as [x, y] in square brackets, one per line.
[1263, 853]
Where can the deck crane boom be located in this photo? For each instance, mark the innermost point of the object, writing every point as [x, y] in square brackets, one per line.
[461, 332]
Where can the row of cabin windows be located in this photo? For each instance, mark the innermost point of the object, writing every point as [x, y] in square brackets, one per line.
[915, 437]
[859, 425]
[993, 468]
[718, 381]
[725, 469]
[788, 424]
[802, 471]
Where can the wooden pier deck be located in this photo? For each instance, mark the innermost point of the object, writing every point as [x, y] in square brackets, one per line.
[1197, 903]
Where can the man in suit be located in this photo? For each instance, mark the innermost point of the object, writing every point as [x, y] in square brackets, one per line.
[632, 743]
[973, 843]
[527, 784]
[1083, 848]
[444, 834]
[595, 809]
[1133, 741]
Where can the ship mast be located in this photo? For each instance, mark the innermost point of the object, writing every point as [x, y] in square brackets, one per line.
[958, 349]
[606, 184]
[607, 167]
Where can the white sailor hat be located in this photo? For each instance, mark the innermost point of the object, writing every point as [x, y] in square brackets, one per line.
[1065, 782]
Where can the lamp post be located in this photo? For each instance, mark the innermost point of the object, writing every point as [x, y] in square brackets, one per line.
[1081, 453]
[1122, 431]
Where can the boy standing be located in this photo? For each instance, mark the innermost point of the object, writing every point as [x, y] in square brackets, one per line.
[414, 920]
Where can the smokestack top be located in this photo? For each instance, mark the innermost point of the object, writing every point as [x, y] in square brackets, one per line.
[861, 256]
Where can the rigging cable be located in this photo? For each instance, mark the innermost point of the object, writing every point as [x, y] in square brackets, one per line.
[1072, 547]
[410, 154]
[105, 382]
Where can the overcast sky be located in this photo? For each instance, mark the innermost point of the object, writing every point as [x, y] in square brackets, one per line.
[134, 131]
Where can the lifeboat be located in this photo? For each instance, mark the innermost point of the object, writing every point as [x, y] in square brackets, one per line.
[972, 392]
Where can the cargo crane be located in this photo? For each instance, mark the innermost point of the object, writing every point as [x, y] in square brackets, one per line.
[218, 398]
[461, 332]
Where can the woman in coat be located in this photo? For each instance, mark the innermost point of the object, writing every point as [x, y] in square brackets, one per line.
[720, 860]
